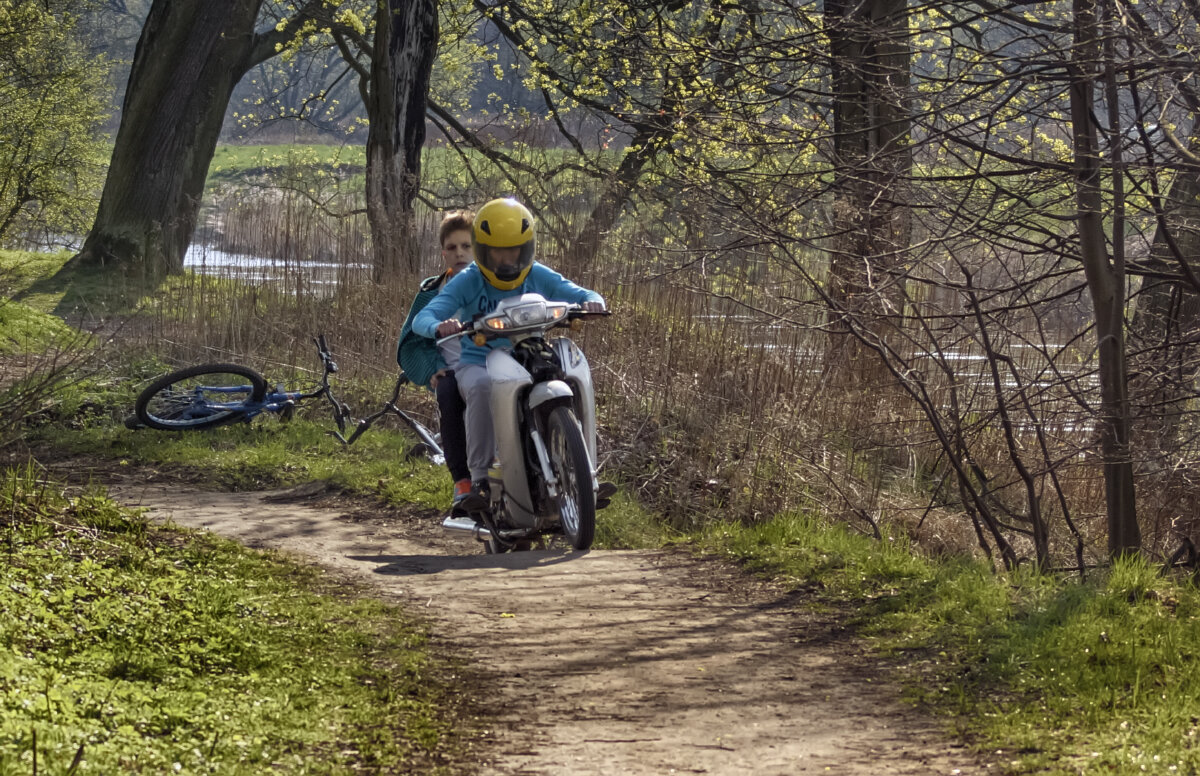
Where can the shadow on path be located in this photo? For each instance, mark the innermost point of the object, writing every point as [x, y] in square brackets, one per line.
[434, 564]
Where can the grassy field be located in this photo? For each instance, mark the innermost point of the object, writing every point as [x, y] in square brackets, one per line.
[1042, 673]
[132, 648]
[321, 170]
[1060, 675]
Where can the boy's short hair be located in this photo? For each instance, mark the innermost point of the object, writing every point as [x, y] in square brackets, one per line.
[452, 222]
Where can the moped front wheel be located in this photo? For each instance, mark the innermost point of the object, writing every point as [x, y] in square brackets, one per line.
[569, 462]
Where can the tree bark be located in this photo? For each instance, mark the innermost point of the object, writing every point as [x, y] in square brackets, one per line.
[405, 47]
[869, 64]
[1106, 284]
[189, 57]
[615, 193]
[1166, 321]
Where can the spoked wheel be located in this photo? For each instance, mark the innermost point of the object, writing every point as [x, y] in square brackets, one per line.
[199, 397]
[569, 460]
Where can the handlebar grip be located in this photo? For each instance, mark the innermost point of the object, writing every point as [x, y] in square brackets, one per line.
[326, 357]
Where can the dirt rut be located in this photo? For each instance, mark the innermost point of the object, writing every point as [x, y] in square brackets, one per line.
[609, 662]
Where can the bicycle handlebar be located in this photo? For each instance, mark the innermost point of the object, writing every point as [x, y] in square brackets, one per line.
[326, 357]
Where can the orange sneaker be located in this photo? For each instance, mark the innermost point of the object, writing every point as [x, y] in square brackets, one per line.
[462, 489]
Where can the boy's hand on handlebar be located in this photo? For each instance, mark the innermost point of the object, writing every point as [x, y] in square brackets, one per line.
[448, 327]
[592, 307]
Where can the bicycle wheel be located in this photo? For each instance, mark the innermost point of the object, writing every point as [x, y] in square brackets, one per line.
[199, 397]
[569, 460]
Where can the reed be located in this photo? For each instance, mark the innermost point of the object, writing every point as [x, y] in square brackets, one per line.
[715, 392]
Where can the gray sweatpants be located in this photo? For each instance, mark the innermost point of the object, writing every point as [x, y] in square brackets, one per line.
[476, 389]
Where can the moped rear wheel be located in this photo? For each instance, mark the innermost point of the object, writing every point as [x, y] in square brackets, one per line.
[569, 461]
[200, 397]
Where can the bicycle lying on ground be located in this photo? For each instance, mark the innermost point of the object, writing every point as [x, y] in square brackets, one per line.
[210, 395]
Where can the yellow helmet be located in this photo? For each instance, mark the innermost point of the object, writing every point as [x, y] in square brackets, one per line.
[504, 223]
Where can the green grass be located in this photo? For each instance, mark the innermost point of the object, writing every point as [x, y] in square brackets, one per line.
[1045, 670]
[44, 283]
[27, 325]
[26, 329]
[627, 524]
[144, 650]
[1044, 675]
[20, 269]
[319, 170]
[238, 162]
[266, 453]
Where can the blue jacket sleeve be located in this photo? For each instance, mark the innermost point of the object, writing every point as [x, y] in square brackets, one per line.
[444, 305]
[554, 286]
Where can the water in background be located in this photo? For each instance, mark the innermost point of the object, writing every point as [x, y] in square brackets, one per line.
[315, 274]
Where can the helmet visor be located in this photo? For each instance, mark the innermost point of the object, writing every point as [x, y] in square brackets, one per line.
[509, 263]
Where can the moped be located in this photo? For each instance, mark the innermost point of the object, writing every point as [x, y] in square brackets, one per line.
[544, 484]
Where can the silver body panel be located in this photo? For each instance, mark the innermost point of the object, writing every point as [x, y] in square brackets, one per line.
[509, 381]
[579, 377]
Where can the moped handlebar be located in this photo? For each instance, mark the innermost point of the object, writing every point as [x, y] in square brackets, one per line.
[577, 314]
[477, 329]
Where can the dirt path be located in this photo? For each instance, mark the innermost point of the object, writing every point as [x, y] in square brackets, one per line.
[609, 662]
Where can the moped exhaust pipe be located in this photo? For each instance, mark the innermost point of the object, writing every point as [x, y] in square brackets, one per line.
[481, 532]
[467, 525]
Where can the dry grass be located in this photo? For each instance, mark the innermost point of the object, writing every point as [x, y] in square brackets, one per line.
[714, 394]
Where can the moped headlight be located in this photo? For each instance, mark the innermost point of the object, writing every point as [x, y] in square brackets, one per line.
[529, 314]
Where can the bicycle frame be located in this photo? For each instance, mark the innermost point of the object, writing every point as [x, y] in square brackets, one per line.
[205, 402]
[436, 455]
[279, 400]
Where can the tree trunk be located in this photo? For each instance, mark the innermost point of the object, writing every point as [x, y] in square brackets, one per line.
[404, 50]
[1165, 362]
[869, 62]
[615, 193]
[190, 56]
[1106, 283]
[1166, 321]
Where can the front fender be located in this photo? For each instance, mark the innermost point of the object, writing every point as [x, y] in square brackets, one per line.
[548, 391]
